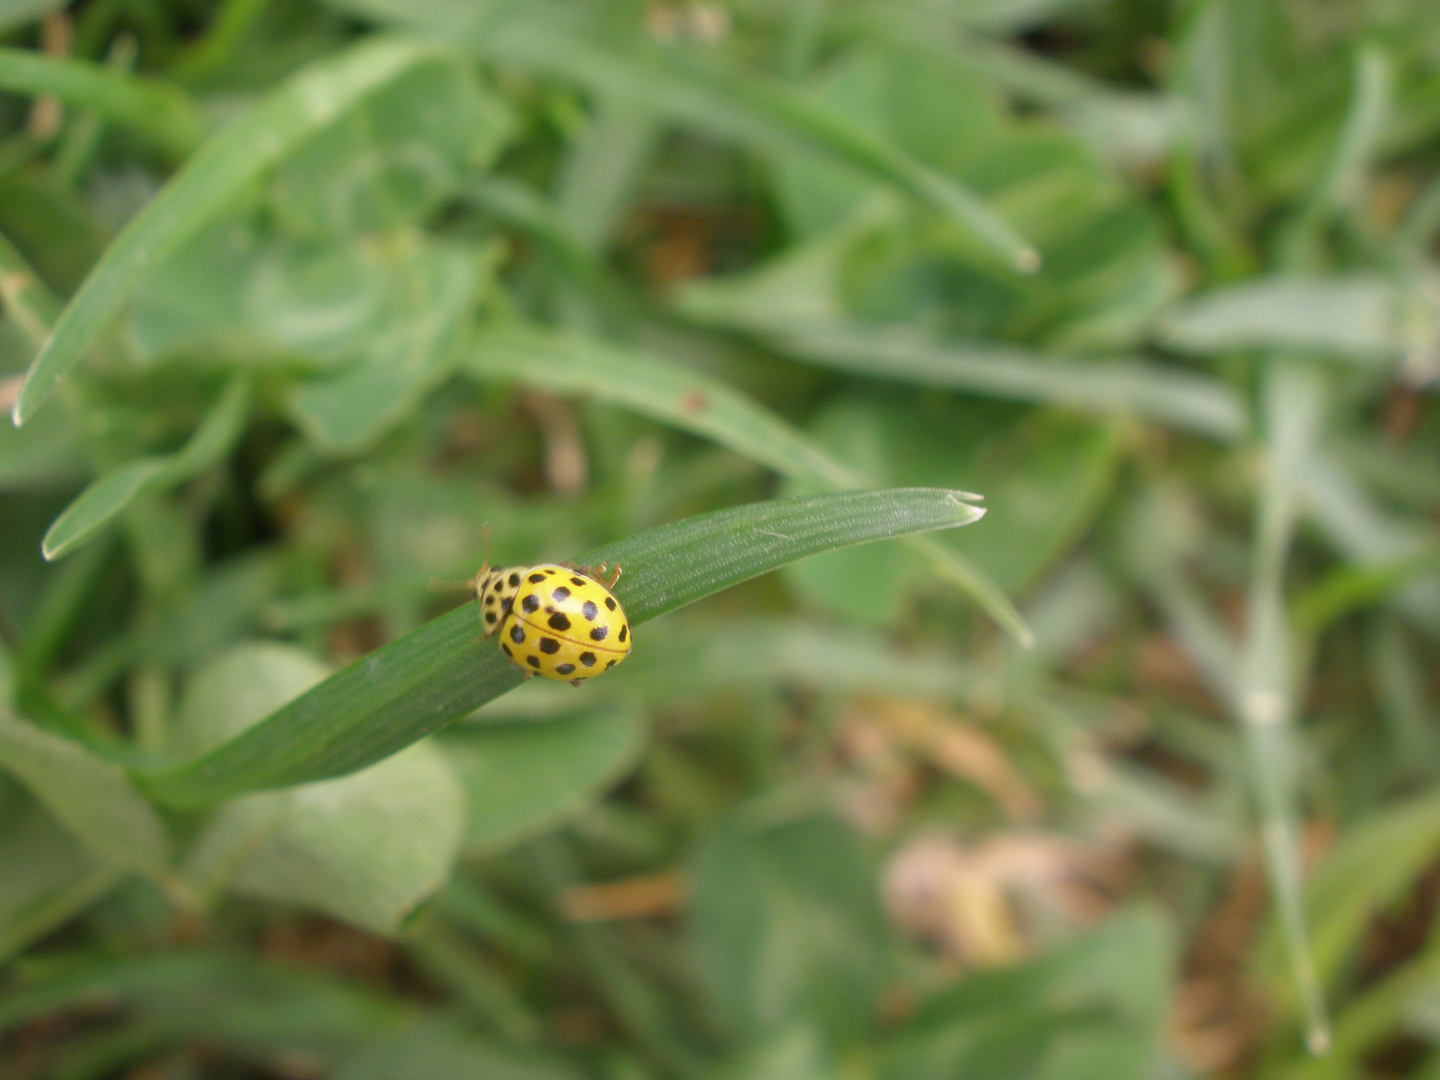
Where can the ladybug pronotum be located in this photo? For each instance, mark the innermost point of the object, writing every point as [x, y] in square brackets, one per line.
[555, 621]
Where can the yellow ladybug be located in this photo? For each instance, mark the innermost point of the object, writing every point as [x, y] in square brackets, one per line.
[554, 620]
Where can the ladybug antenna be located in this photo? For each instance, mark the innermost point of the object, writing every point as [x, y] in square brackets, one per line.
[469, 584]
[439, 584]
[474, 583]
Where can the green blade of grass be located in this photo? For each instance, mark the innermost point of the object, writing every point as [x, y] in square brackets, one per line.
[663, 390]
[445, 669]
[25, 299]
[695, 402]
[219, 173]
[1147, 390]
[746, 105]
[1266, 696]
[158, 112]
[111, 493]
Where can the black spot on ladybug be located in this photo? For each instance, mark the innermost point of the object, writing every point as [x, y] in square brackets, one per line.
[490, 617]
[598, 634]
[532, 660]
[610, 602]
[517, 635]
[560, 594]
[588, 659]
[589, 610]
[578, 582]
[531, 602]
[559, 622]
[564, 669]
[507, 650]
[535, 579]
[624, 631]
[609, 664]
[508, 604]
[515, 580]
[549, 645]
[490, 600]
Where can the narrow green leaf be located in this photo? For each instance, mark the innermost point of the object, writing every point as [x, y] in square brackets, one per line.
[746, 105]
[99, 502]
[1371, 867]
[445, 669]
[693, 401]
[214, 177]
[665, 391]
[26, 300]
[219, 997]
[93, 798]
[111, 493]
[1353, 317]
[158, 112]
[1134, 387]
[1266, 696]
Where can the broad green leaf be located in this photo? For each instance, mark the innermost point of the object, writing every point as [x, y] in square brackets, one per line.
[1050, 477]
[366, 848]
[395, 158]
[91, 797]
[111, 493]
[434, 292]
[218, 175]
[523, 777]
[443, 670]
[794, 1053]
[158, 112]
[1105, 991]
[788, 926]
[314, 304]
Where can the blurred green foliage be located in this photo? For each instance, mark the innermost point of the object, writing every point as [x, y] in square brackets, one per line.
[1131, 779]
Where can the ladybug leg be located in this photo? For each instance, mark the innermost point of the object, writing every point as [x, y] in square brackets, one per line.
[597, 572]
[576, 682]
[602, 573]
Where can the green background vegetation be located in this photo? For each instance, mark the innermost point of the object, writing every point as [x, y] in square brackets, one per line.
[1133, 777]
